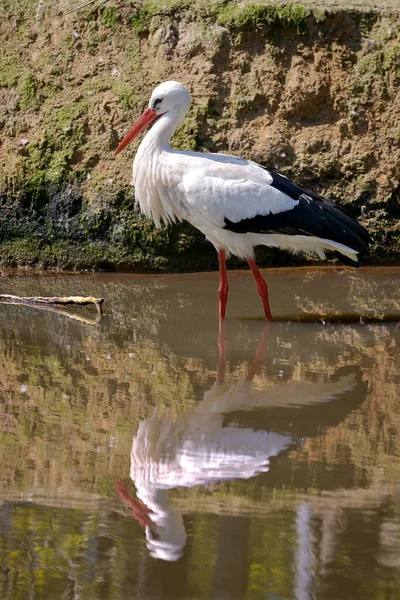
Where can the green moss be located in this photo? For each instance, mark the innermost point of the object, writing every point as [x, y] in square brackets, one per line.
[147, 15]
[28, 93]
[391, 60]
[49, 158]
[186, 135]
[94, 38]
[367, 21]
[141, 20]
[378, 73]
[67, 116]
[26, 252]
[99, 84]
[255, 15]
[149, 256]
[109, 15]
[167, 7]
[11, 68]
[126, 96]
[133, 53]
[8, 77]
[295, 15]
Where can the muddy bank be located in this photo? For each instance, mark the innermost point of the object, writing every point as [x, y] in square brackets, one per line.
[311, 92]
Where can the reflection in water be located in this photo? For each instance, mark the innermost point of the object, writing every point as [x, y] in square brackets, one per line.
[304, 563]
[62, 311]
[320, 517]
[200, 448]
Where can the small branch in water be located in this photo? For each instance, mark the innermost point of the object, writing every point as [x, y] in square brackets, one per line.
[82, 300]
[63, 312]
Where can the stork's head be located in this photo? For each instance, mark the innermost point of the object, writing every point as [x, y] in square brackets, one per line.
[168, 97]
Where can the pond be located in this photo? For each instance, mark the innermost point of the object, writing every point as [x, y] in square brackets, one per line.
[156, 454]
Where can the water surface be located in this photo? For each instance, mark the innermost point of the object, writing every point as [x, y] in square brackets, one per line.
[265, 467]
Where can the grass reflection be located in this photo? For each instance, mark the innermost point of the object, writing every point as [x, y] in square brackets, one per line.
[73, 396]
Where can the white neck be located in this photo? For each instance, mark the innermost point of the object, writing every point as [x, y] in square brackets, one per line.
[162, 130]
[147, 166]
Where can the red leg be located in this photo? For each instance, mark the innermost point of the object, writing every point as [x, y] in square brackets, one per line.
[262, 288]
[260, 353]
[223, 284]
[139, 511]
[221, 351]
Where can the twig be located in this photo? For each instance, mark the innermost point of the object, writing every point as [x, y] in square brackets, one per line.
[65, 313]
[82, 300]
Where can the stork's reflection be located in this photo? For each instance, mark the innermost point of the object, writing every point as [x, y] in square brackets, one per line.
[233, 433]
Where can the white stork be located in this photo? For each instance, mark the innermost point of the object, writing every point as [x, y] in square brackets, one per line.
[236, 203]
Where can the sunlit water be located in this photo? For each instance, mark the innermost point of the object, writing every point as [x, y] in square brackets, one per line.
[140, 460]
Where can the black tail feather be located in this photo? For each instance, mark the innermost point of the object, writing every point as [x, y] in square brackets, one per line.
[313, 216]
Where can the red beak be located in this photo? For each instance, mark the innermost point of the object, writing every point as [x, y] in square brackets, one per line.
[145, 119]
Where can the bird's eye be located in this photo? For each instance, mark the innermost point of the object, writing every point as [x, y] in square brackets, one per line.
[157, 103]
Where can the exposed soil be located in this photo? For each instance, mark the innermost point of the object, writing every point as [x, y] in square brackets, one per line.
[314, 94]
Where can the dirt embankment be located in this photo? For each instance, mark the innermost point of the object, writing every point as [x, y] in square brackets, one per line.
[314, 94]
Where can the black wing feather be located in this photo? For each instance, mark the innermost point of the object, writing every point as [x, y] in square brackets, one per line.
[313, 216]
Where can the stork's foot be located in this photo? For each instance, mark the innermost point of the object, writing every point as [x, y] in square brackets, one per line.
[262, 288]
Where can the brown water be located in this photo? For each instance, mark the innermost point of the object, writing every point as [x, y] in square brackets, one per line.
[270, 467]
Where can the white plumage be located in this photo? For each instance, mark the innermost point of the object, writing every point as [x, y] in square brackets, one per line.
[197, 449]
[236, 203]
